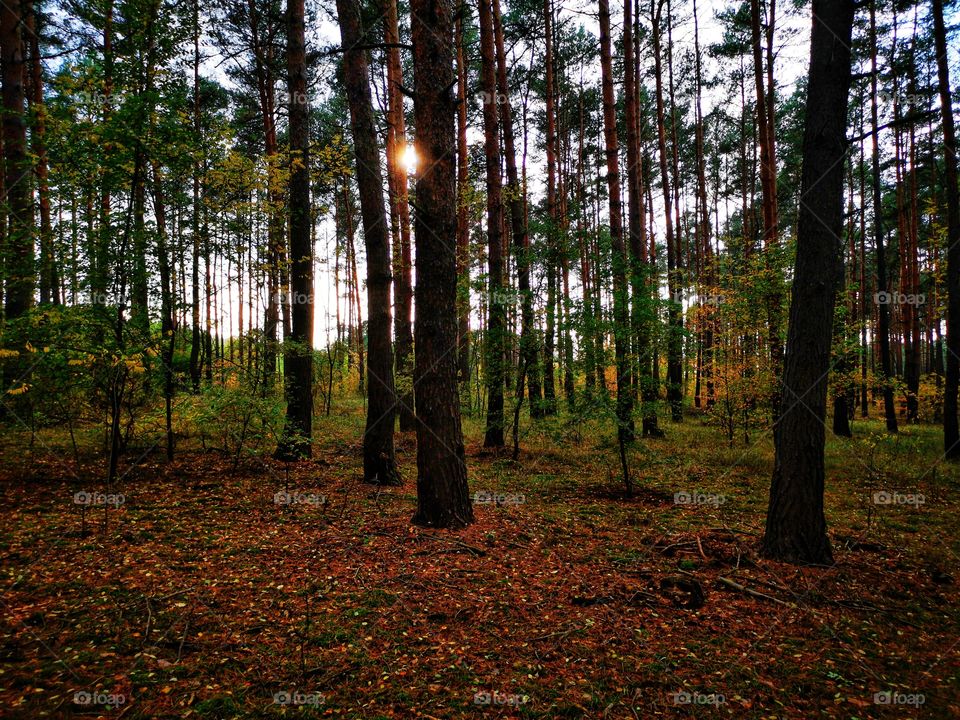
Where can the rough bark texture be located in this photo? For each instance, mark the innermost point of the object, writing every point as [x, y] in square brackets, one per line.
[619, 257]
[21, 280]
[400, 217]
[951, 429]
[443, 497]
[496, 307]
[298, 356]
[796, 529]
[379, 464]
[463, 217]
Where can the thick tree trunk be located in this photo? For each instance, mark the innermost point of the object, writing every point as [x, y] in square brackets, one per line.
[443, 497]
[19, 270]
[379, 464]
[951, 429]
[796, 528]
[298, 356]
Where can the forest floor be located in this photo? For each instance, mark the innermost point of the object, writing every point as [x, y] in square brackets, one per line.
[202, 597]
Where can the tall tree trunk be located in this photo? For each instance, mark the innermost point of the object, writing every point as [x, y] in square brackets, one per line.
[497, 308]
[463, 216]
[195, 344]
[883, 290]
[298, 356]
[621, 317]
[49, 269]
[796, 528]
[704, 246]
[379, 464]
[529, 367]
[768, 183]
[443, 497]
[20, 274]
[168, 335]
[642, 310]
[951, 428]
[675, 317]
[400, 218]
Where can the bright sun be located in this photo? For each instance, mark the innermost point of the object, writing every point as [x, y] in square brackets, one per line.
[410, 159]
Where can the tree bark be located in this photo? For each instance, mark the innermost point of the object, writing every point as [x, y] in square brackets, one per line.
[951, 429]
[675, 318]
[298, 356]
[529, 367]
[796, 528]
[621, 322]
[497, 305]
[882, 296]
[443, 497]
[400, 218]
[19, 270]
[379, 464]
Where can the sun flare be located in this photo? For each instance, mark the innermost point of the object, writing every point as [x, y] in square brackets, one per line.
[409, 159]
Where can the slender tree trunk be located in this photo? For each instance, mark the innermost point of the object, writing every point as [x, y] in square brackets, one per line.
[463, 216]
[400, 210]
[497, 308]
[528, 366]
[195, 344]
[642, 310]
[167, 325]
[675, 318]
[768, 185]
[443, 497]
[882, 296]
[621, 320]
[49, 268]
[379, 464]
[796, 527]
